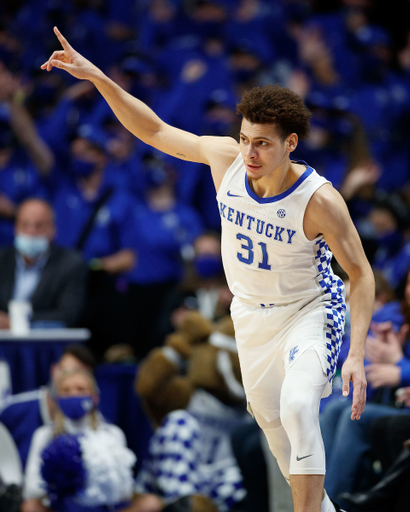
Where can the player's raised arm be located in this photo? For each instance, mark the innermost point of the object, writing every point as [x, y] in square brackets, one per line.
[140, 120]
[327, 213]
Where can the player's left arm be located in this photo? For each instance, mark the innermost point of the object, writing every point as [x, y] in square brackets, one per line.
[327, 214]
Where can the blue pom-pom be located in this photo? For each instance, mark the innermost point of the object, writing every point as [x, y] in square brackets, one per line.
[63, 469]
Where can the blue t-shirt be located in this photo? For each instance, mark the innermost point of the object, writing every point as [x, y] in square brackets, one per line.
[161, 236]
[113, 228]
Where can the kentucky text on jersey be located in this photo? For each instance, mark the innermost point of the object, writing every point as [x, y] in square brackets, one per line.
[256, 225]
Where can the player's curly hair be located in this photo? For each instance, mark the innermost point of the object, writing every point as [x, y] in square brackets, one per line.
[278, 105]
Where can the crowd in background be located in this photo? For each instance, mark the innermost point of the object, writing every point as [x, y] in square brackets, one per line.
[146, 224]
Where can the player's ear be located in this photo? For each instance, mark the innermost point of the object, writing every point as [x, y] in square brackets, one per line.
[291, 142]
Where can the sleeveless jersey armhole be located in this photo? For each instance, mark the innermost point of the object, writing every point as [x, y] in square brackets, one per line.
[301, 218]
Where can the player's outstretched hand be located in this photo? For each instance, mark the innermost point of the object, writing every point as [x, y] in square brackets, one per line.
[353, 371]
[70, 60]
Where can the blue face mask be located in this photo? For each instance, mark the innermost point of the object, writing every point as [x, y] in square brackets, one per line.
[75, 407]
[81, 168]
[31, 246]
[208, 266]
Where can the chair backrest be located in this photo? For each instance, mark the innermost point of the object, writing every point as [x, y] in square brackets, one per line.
[11, 471]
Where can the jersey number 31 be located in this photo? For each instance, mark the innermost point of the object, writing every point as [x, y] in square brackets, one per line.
[249, 256]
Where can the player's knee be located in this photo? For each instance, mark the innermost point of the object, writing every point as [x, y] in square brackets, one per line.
[297, 400]
[294, 411]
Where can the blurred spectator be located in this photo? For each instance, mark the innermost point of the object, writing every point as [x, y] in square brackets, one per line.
[24, 156]
[76, 197]
[76, 106]
[194, 402]
[382, 102]
[206, 18]
[24, 412]
[251, 25]
[395, 269]
[390, 432]
[159, 25]
[80, 462]
[247, 449]
[245, 64]
[84, 24]
[209, 287]
[51, 278]
[204, 74]
[165, 228]
[388, 352]
[388, 362]
[383, 229]
[180, 437]
[336, 143]
[318, 57]
[360, 182]
[204, 287]
[96, 218]
[125, 168]
[390, 437]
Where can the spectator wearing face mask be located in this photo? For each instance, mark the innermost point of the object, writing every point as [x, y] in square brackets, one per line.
[204, 287]
[165, 228]
[35, 270]
[96, 218]
[80, 463]
[23, 413]
[208, 286]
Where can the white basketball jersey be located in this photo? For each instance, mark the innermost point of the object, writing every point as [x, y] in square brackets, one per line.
[267, 258]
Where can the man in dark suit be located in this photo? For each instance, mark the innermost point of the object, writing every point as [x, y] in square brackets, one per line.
[53, 279]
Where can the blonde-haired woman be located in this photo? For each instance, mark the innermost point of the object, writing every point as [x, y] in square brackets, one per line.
[81, 463]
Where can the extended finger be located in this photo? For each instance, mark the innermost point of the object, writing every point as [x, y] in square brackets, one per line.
[56, 55]
[64, 43]
[358, 408]
[359, 401]
[346, 384]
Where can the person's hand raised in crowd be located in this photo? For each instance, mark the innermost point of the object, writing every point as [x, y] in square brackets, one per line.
[78, 90]
[9, 85]
[366, 174]
[379, 375]
[385, 345]
[70, 60]
[193, 70]
[312, 45]
[8, 208]
[299, 82]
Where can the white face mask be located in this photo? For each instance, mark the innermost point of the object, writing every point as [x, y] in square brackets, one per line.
[31, 246]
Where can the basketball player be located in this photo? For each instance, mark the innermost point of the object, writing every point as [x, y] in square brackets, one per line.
[278, 219]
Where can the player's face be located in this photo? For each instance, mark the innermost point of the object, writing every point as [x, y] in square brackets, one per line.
[263, 150]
